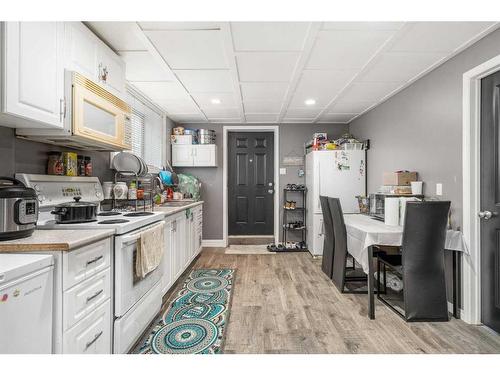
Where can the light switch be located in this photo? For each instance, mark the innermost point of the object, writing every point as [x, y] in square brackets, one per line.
[282, 171]
[439, 189]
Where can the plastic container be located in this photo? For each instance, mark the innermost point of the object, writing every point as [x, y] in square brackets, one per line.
[120, 190]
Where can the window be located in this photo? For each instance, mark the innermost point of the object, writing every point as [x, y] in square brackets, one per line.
[147, 130]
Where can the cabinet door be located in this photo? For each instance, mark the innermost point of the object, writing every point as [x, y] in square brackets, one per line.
[205, 156]
[80, 50]
[182, 155]
[34, 74]
[166, 262]
[111, 70]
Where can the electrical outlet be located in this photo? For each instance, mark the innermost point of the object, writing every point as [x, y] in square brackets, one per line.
[282, 171]
[439, 189]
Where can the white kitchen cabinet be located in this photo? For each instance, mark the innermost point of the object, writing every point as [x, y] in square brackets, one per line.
[85, 53]
[168, 258]
[33, 66]
[198, 228]
[194, 155]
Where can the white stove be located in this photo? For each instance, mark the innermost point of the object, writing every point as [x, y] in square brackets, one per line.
[136, 302]
[53, 190]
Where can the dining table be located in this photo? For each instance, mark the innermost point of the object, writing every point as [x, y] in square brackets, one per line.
[365, 232]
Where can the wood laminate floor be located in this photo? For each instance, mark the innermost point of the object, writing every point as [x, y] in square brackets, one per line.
[285, 304]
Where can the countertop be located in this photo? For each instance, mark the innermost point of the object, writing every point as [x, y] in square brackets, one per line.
[169, 210]
[68, 239]
[55, 240]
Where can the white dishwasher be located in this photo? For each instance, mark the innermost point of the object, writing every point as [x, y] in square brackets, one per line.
[26, 302]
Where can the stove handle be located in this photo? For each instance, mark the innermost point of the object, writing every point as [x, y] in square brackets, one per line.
[134, 237]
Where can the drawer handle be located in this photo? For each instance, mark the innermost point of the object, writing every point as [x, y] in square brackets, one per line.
[96, 259]
[96, 337]
[94, 296]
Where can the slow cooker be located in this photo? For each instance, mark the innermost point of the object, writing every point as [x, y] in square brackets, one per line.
[18, 209]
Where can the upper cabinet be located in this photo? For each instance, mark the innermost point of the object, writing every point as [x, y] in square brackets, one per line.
[194, 155]
[33, 72]
[89, 56]
[34, 57]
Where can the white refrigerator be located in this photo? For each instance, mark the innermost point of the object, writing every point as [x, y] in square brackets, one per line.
[339, 174]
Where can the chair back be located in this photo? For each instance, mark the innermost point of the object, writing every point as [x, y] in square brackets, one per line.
[424, 237]
[328, 243]
[340, 240]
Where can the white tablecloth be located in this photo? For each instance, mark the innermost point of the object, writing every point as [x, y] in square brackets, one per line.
[363, 231]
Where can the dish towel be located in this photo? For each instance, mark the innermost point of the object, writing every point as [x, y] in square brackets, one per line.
[149, 250]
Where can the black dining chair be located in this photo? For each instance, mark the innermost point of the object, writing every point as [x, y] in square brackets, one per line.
[339, 276]
[420, 263]
[328, 243]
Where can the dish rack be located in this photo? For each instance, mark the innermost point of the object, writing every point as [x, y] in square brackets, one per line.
[148, 183]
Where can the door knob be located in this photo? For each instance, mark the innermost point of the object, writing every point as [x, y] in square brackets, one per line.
[486, 215]
[270, 191]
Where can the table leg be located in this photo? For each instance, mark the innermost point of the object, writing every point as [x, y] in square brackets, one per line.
[371, 301]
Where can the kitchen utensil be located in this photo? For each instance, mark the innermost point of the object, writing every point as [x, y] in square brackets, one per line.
[75, 212]
[120, 190]
[18, 209]
[127, 162]
[206, 136]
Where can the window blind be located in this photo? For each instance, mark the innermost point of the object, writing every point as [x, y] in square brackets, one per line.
[137, 133]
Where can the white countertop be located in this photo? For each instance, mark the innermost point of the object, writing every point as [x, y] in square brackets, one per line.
[169, 210]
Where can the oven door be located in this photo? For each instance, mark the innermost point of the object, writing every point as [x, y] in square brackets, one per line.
[129, 289]
[98, 115]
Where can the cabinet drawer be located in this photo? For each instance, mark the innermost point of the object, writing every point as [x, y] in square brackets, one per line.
[92, 335]
[84, 297]
[85, 262]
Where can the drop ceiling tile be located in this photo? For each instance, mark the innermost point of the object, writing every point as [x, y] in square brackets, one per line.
[259, 106]
[337, 117]
[122, 36]
[235, 120]
[272, 91]
[362, 25]
[191, 49]
[437, 36]
[266, 67]
[171, 90]
[307, 113]
[142, 66]
[320, 85]
[261, 117]
[346, 49]
[179, 25]
[204, 99]
[206, 80]
[369, 91]
[290, 120]
[178, 106]
[221, 112]
[343, 106]
[269, 36]
[400, 66]
[188, 117]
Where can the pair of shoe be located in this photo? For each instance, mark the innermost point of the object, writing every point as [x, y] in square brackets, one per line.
[290, 205]
[294, 225]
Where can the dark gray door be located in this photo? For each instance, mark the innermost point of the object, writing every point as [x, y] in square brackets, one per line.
[490, 201]
[251, 183]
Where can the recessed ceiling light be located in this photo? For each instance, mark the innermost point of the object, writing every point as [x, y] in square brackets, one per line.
[310, 102]
[215, 101]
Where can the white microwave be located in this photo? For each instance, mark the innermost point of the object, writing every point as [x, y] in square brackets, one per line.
[94, 118]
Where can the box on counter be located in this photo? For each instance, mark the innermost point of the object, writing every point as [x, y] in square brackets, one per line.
[399, 178]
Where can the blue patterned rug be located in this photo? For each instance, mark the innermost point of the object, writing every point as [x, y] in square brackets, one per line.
[194, 322]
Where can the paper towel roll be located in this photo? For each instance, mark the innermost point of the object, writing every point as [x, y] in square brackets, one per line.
[391, 211]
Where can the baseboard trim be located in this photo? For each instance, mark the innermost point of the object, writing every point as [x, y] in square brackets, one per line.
[212, 243]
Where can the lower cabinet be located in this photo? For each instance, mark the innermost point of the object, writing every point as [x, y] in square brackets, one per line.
[182, 244]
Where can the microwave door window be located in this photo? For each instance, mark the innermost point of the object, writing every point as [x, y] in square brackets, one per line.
[98, 119]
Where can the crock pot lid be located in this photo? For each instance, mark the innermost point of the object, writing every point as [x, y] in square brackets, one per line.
[77, 203]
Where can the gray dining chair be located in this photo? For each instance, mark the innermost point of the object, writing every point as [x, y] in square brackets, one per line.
[329, 241]
[420, 263]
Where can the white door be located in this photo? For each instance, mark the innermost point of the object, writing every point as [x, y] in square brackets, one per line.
[111, 70]
[182, 155]
[205, 156]
[342, 175]
[80, 50]
[166, 262]
[34, 71]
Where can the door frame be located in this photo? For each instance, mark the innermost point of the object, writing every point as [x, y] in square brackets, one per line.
[471, 157]
[250, 128]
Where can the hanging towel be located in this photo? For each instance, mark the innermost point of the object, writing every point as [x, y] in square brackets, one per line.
[149, 250]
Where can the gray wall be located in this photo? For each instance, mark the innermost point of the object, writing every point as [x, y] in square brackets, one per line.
[292, 138]
[21, 156]
[420, 128]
